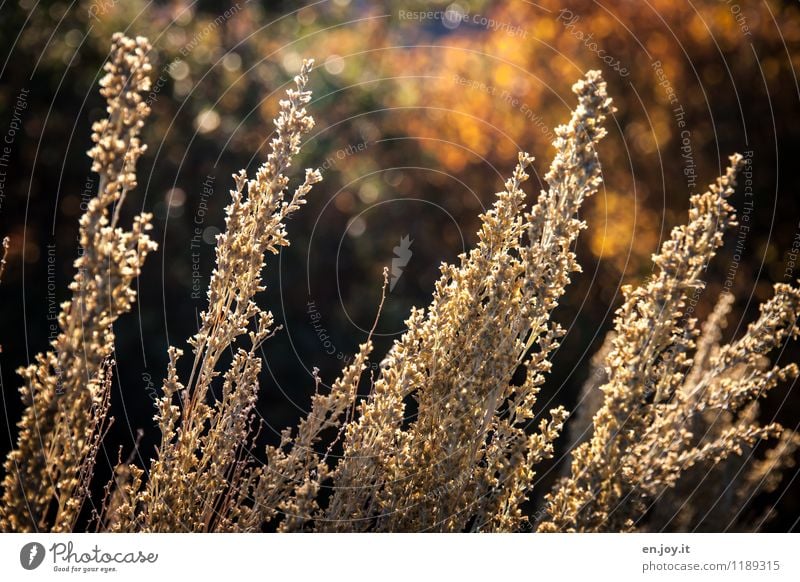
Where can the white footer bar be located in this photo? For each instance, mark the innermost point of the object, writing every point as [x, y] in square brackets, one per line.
[402, 557]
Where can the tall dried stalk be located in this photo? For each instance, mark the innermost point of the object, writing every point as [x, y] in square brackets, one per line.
[467, 459]
[200, 475]
[707, 433]
[67, 389]
[644, 435]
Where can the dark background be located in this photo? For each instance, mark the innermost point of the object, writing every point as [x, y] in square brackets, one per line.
[433, 152]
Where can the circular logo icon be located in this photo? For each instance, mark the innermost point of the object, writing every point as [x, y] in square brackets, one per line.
[31, 555]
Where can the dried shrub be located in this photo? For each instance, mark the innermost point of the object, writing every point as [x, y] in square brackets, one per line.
[674, 412]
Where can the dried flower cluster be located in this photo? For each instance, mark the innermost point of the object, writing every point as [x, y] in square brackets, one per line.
[466, 458]
[662, 413]
[200, 478]
[446, 440]
[66, 390]
[710, 428]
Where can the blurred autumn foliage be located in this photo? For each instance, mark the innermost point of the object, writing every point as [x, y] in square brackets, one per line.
[421, 108]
